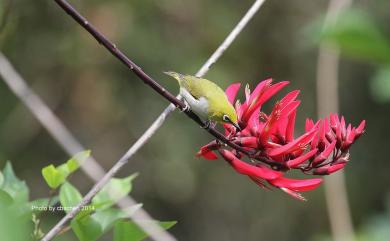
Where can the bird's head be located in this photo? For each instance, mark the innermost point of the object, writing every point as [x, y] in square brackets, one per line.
[175, 75]
[229, 116]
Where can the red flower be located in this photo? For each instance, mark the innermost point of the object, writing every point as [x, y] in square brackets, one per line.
[321, 150]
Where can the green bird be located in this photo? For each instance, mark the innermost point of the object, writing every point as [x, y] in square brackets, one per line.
[206, 99]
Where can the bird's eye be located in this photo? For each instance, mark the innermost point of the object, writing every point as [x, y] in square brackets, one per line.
[225, 118]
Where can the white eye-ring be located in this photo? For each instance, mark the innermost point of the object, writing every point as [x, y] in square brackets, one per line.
[225, 118]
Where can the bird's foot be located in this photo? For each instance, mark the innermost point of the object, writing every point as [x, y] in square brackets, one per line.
[186, 108]
[209, 124]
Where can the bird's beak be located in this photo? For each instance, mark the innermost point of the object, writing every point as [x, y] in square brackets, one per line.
[173, 74]
[236, 126]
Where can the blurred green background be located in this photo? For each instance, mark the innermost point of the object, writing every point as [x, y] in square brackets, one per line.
[108, 108]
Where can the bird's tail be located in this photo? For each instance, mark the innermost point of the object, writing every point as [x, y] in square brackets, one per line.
[175, 75]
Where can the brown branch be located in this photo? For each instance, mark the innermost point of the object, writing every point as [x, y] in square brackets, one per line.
[140, 73]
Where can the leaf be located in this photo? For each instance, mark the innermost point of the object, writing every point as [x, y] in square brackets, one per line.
[380, 85]
[56, 176]
[106, 218]
[357, 35]
[1, 179]
[13, 226]
[40, 205]
[69, 196]
[5, 198]
[16, 188]
[44, 201]
[129, 231]
[86, 229]
[91, 227]
[74, 163]
[113, 191]
[53, 177]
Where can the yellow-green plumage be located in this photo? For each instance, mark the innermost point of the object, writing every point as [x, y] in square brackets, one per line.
[218, 105]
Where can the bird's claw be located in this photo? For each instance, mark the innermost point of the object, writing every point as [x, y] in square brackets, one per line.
[209, 124]
[186, 108]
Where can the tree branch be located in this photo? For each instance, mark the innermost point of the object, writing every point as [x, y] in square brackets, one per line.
[148, 80]
[70, 144]
[67, 141]
[140, 73]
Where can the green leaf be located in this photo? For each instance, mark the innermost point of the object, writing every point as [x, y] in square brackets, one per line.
[16, 188]
[74, 163]
[1, 179]
[357, 35]
[53, 177]
[380, 85]
[69, 196]
[44, 201]
[106, 218]
[91, 227]
[129, 231]
[56, 176]
[86, 229]
[13, 226]
[5, 198]
[113, 191]
[37, 205]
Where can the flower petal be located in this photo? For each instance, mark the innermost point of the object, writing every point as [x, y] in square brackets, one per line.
[325, 154]
[290, 126]
[326, 170]
[294, 145]
[360, 129]
[301, 159]
[207, 151]
[295, 184]
[231, 91]
[258, 97]
[247, 169]
[289, 97]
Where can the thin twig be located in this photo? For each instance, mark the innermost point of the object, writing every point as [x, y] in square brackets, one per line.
[70, 144]
[201, 72]
[327, 101]
[117, 53]
[114, 50]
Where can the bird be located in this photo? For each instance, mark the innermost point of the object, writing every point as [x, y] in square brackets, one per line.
[206, 99]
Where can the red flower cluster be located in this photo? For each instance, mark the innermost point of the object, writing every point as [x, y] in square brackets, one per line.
[321, 150]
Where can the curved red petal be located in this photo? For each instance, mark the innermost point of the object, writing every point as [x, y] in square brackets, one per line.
[207, 151]
[294, 145]
[290, 126]
[248, 169]
[296, 184]
[231, 92]
[301, 159]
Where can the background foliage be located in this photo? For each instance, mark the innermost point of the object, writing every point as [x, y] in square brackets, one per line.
[108, 108]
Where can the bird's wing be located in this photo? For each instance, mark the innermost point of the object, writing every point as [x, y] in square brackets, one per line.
[199, 87]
